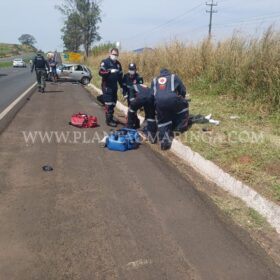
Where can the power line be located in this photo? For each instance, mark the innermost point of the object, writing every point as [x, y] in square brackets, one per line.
[250, 20]
[211, 15]
[160, 26]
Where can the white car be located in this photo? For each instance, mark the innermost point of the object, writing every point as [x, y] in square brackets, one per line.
[19, 62]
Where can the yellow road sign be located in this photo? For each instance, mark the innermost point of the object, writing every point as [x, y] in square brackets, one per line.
[71, 56]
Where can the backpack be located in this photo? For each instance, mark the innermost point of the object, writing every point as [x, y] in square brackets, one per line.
[83, 120]
[123, 139]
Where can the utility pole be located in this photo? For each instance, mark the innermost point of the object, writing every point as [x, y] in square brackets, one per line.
[211, 15]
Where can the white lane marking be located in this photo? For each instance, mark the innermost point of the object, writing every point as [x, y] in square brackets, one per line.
[139, 263]
[15, 102]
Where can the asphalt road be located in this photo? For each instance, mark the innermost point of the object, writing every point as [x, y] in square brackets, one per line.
[106, 215]
[13, 82]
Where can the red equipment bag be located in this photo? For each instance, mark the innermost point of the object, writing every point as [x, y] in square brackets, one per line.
[83, 120]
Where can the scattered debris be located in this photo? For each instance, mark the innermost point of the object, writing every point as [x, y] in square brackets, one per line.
[215, 122]
[138, 264]
[103, 142]
[234, 117]
[47, 168]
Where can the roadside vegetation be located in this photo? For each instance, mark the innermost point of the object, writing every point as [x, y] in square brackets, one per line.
[8, 50]
[5, 64]
[238, 81]
[80, 25]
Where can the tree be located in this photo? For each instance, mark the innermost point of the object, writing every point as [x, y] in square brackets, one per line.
[27, 39]
[72, 36]
[87, 16]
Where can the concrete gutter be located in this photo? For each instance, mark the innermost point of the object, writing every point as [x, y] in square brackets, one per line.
[212, 172]
[9, 113]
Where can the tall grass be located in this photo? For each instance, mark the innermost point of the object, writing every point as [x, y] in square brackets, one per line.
[242, 67]
[101, 49]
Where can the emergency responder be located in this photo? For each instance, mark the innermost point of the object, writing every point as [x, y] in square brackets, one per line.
[130, 79]
[40, 65]
[111, 73]
[171, 106]
[143, 97]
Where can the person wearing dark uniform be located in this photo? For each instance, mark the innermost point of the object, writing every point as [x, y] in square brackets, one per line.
[111, 73]
[40, 65]
[143, 97]
[129, 80]
[171, 106]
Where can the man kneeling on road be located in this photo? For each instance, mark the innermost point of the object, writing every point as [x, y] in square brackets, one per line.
[171, 106]
[40, 65]
[142, 96]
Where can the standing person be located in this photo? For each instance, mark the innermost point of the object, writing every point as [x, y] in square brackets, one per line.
[112, 74]
[40, 65]
[53, 65]
[143, 97]
[171, 106]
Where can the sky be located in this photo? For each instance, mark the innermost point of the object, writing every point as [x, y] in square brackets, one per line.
[137, 24]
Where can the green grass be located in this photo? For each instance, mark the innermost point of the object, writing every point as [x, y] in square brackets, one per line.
[5, 64]
[276, 188]
[247, 147]
[7, 50]
[241, 214]
[258, 220]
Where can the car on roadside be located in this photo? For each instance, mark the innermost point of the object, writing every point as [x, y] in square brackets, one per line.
[19, 62]
[75, 73]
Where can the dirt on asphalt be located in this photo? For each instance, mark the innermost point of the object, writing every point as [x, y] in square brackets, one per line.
[106, 215]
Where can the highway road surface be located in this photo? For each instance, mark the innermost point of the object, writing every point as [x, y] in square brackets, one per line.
[13, 82]
[106, 215]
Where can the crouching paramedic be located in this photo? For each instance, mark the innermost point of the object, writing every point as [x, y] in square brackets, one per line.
[171, 106]
[111, 73]
[129, 80]
[143, 97]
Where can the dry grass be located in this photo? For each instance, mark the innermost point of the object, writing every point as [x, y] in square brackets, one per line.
[241, 67]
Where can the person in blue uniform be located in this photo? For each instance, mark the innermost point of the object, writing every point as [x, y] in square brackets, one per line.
[143, 97]
[129, 80]
[111, 72]
[171, 106]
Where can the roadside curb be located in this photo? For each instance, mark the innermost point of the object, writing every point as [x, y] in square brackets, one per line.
[212, 172]
[9, 113]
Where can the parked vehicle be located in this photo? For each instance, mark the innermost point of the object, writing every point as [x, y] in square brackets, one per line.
[19, 62]
[74, 72]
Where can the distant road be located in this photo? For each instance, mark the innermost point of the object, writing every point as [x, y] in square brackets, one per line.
[13, 82]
